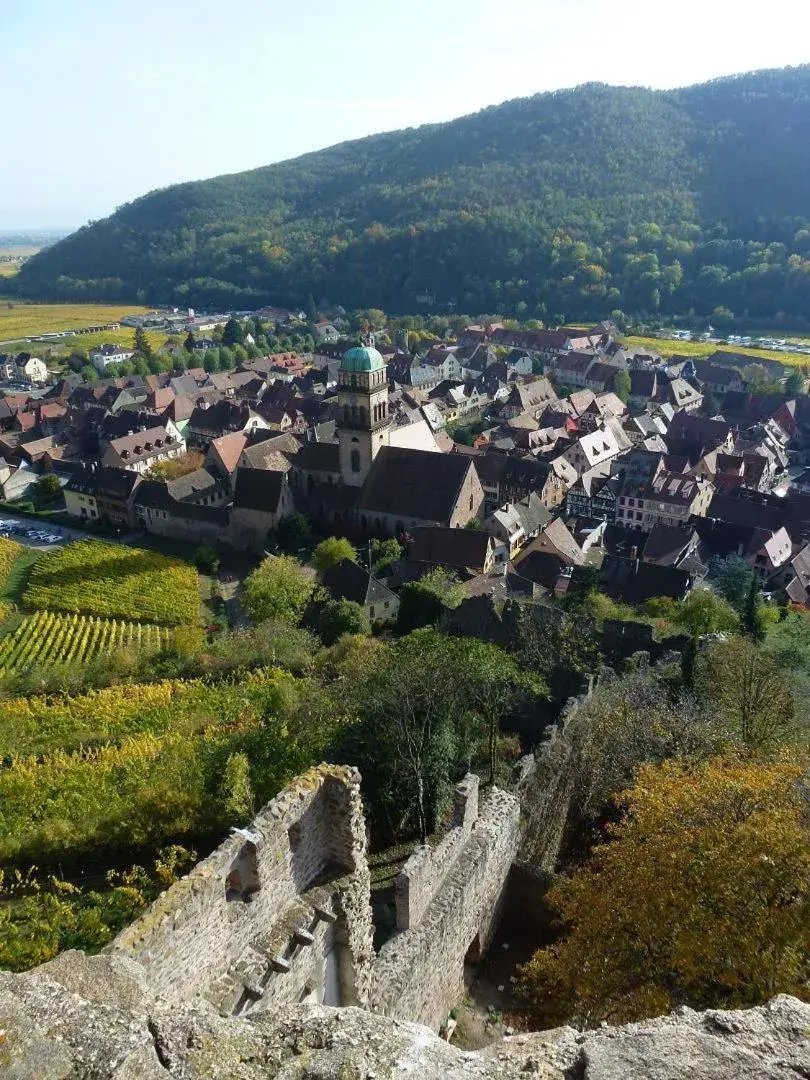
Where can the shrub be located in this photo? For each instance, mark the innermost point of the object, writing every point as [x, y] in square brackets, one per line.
[339, 617]
[207, 559]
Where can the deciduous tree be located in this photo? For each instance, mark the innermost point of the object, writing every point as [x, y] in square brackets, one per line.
[422, 602]
[621, 386]
[332, 551]
[701, 897]
[745, 684]
[702, 612]
[279, 588]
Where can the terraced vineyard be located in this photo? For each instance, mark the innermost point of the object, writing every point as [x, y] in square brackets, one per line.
[115, 582]
[50, 638]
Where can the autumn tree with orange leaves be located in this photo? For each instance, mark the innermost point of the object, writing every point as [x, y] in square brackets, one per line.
[701, 896]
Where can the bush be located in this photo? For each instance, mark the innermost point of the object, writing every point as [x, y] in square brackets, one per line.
[207, 559]
[291, 534]
[339, 617]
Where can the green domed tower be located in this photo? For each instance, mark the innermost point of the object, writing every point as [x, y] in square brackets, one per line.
[363, 422]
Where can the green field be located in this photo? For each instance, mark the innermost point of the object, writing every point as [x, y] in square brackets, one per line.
[113, 581]
[20, 320]
[51, 638]
[667, 347]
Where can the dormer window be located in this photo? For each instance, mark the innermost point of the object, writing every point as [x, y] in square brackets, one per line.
[124, 453]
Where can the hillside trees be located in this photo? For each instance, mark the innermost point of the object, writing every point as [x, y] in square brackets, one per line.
[658, 206]
[700, 896]
[424, 710]
[624, 724]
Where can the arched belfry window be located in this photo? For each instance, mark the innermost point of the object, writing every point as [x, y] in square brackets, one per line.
[355, 460]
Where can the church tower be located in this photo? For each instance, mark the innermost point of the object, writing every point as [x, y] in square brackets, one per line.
[363, 423]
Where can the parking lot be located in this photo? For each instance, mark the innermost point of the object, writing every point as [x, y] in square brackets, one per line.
[34, 533]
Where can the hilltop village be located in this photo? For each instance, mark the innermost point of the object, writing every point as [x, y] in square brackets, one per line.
[511, 457]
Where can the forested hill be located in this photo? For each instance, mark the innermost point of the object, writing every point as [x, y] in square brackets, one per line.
[568, 204]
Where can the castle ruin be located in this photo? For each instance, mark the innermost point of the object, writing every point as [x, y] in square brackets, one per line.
[280, 913]
[229, 972]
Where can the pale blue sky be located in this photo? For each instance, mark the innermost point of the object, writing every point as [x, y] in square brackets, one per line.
[104, 100]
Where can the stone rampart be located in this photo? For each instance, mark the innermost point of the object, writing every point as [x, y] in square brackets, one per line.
[419, 973]
[263, 917]
[425, 871]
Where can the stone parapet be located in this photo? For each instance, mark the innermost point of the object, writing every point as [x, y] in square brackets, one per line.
[423, 874]
[244, 915]
[419, 972]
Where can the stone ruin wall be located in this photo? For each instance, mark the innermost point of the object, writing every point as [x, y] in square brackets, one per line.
[419, 973]
[280, 913]
[425, 871]
[252, 925]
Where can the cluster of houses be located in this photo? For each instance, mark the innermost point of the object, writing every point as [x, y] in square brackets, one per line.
[585, 453]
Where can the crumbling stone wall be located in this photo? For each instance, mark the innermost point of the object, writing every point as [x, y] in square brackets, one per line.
[425, 871]
[419, 973]
[254, 923]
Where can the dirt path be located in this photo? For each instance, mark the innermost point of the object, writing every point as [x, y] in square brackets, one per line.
[237, 616]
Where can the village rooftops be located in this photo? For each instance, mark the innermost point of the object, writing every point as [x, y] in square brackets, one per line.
[105, 481]
[140, 446]
[414, 484]
[258, 489]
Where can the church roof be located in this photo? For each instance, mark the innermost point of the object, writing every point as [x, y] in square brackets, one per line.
[414, 484]
[362, 358]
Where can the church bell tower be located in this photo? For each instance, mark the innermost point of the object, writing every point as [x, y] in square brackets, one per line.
[363, 422]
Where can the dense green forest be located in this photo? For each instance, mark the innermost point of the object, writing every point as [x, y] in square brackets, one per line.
[565, 205]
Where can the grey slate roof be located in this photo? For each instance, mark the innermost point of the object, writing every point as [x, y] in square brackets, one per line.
[105, 481]
[258, 489]
[414, 483]
[348, 581]
[193, 483]
[449, 547]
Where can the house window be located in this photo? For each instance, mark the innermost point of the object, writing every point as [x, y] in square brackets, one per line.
[355, 461]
